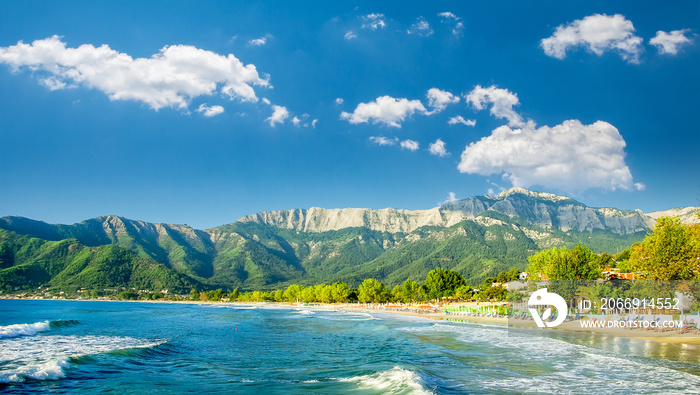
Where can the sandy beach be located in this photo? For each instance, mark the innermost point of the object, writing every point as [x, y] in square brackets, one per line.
[671, 337]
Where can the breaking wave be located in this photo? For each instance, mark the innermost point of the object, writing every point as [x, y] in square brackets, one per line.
[392, 381]
[32, 329]
[49, 357]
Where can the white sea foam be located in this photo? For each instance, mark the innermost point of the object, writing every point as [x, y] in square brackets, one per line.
[48, 357]
[342, 315]
[392, 381]
[16, 330]
[554, 365]
[304, 312]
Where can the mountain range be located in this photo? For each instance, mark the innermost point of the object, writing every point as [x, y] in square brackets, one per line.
[477, 237]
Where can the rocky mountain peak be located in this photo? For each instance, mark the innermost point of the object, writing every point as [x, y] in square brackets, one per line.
[538, 195]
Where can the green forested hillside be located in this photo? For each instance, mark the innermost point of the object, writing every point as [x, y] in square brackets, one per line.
[27, 263]
[259, 253]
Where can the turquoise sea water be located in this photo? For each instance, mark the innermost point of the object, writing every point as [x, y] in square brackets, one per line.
[113, 347]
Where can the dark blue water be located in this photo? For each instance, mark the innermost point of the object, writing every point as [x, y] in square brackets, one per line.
[113, 347]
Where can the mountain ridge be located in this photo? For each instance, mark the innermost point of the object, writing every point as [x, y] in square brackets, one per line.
[477, 237]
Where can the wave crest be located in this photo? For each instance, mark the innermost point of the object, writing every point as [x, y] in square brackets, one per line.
[17, 330]
[392, 381]
[48, 357]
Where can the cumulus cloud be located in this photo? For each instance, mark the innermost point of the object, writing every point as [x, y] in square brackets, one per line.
[570, 156]
[313, 123]
[459, 119]
[451, 197]
[349, 35]
[258, 42]
[454, 20]
[670, 43]
[420, 27]
[374, 21]
[384, 109]
[210, 111]
[170, 78]
[410, 145]
[266, 101]
[448, 15]
[381, 140]
[438, 148]
[339, 100]
[279, 114]
[439, 99]
[502, 102]
[597, 33]
[296, 121]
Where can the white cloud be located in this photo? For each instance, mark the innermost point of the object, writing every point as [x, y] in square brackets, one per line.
[449, 15]
[639, 186]
[597, 33]
[349, 35]
[452, 19]
[451, 197]
[438, 148]
[458, 29]
[54, 83]
[439, 99]
[374, 21]
[279, 114]
[381, 140]
[296, 121]
[502, 101]
[258, 42]
[313, 123]
[266, 100]
[170, 78]
[420, 27]
[570, 156]
[339, 100]
[384, 109]
[410, 145]
[210, 111]
[670, 43]
[460, 119]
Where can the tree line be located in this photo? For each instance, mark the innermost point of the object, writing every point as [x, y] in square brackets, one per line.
[438, 284]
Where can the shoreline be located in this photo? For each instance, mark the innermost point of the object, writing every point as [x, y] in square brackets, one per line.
[687, 340]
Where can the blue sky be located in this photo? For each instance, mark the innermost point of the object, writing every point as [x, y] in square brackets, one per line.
[202, 112]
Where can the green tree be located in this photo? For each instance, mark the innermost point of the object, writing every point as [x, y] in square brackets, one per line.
[396, 294]
[216, 295]
[308, 295]
[128, 295]
[195, 294]
[340, 292]
[372, 291]
[411, 291]
[293, 293]
[324, 293]
[501, 278]
[441, 282]
[512, 275]
[464, 292]
[670, 252]
[579, 263]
